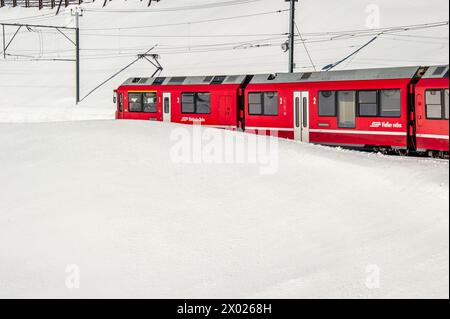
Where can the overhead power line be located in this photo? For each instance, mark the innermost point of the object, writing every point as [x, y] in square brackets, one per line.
[189, 22]
[173, 9]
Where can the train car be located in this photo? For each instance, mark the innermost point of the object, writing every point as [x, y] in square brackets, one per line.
[402, 109]
[432, 112]
[206, 100]
[356, 108]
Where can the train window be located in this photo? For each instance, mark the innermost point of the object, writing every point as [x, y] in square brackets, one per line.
[368, 103]
[149, 102]
[120, 102]
[263, 103]
[446, 110]
[327, 103]
[135, 102]
[255, 104]
[434, 104]
[390, 103]
[188, 103]
[166, 105]
[196, 103]
[203, 103]
[305, 112]
[347, 109]
[270, 104]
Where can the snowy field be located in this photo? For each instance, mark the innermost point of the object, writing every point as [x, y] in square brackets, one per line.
[82, 194]
[108, 197]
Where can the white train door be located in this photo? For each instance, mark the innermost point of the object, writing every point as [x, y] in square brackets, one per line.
[301, 116]
[167, 104]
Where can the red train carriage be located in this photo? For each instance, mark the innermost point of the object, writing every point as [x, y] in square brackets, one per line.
[432, 111]
[357, 108]
[210, 101]
[402, 109]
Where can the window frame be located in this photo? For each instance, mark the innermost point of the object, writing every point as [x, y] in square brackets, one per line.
[378, 103]
[338, 109]
[195, 103]
[263, 106]
[156, 102]
[358, 104]
[335, 103]
[442, 118]
[142, 101]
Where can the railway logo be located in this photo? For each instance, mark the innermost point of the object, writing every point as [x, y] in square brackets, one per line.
[193, 119]
[379, 124]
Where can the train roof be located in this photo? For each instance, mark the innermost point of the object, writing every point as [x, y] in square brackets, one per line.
[188, 80]
[433, 72]
[331, 76]
[437, 72]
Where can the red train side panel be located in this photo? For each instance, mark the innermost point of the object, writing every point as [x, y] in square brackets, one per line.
[209, 101]
[366, 108]
[432, 111]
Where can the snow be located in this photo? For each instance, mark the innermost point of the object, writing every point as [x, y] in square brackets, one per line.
[108, 197]
[82, 192]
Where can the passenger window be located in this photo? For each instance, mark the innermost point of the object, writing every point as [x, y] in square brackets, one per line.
[166, 105]
[135, 102]
[203, 103]
[196, 103]
[263, 103]
[149, 105]
[347, 109]
[305, 112]
[390, 103]
[368, 103]
[327, 103]
[446, 111]
[120, 102]
[270, 104]
[255, 103]
[434, 104]
[188, 103]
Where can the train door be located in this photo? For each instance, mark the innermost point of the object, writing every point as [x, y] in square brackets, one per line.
[301, 116]
[119, 112]
[225, 110]
[167, 104]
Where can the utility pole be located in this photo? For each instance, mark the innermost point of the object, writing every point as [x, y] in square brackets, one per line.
[4, 41]
[291, 36]
[77, 12]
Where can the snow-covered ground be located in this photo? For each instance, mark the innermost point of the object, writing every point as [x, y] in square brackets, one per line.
[109, 198]
[81, 194]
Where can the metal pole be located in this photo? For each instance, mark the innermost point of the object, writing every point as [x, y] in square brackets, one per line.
[4, 42]
[291, 38]
[77, 12]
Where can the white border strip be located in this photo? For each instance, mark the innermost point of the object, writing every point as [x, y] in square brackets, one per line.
[359, 132]
[281, 129]
[441, 137]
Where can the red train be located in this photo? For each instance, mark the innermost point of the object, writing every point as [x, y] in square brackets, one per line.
[403, 110]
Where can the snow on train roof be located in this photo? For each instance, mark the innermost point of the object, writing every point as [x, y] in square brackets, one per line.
[437, 72]
[346, 75]
[187, 80]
